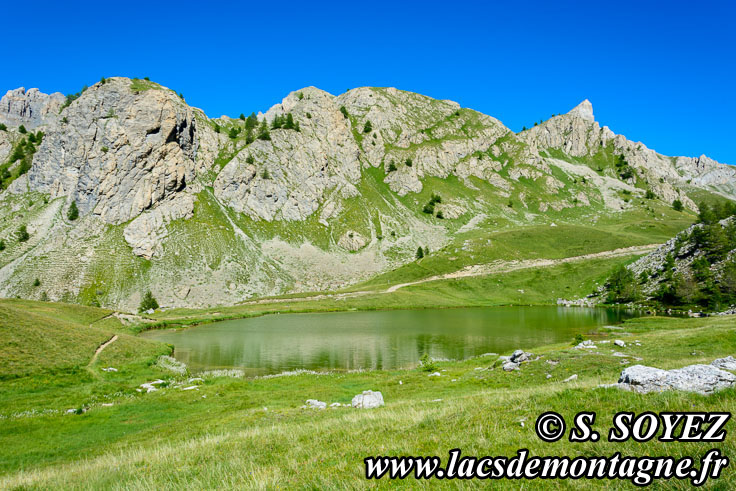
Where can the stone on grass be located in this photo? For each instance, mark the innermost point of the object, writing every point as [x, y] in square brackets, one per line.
[315, 404]
[703, 379]
[571, 378]
[510, 366]
[368, 400]
[727, 363]
[620, 343]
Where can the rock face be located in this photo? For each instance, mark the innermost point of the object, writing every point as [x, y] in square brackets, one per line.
[201, 214]
[703, 379]
[293, 171]
[368, 400]
[119, 152]
[30, 108]
[684, 251]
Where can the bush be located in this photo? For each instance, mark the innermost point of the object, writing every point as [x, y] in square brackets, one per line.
[2, 245]
[23, 234]
[3, 127]
[242, 117]
[420, 253]
[408, 163]
[344, 112]
[426, 364]
[392, 167]
[650, 194]
[36, 282]
[233, 133]
[265, 174]
[22, 130]
[103, 81]
[677, 205]
[148, 302]
[440, 215]
[250, 160]
[73, 212]
[368, 127]
[578, 339]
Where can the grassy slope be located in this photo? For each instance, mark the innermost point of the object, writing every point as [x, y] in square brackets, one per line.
[175, 438]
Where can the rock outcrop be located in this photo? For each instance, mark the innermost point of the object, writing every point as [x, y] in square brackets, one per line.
[117, 152]
[703, 379]
[29, 108]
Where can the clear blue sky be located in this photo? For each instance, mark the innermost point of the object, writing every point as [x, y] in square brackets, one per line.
[663, 73]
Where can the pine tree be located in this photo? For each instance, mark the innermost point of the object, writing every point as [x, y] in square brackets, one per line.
[23, 234]
[420, 253]
[263, 133]
[242, 117]
[289, 122]
[251, 122]
[677, 205]
[2, 245]
[73, 212]
[148, 302]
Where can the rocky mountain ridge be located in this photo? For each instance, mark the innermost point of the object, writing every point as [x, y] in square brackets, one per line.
[168, 196]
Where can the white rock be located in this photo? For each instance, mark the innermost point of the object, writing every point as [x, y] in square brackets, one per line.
[368, 400]
[435, 374]
[620, 343]
[703, 379]
[571, 378]
[727, 363]
[315, 404]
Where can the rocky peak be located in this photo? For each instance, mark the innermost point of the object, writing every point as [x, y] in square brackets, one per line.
[119, 149]
[29, 108]
[583, 110]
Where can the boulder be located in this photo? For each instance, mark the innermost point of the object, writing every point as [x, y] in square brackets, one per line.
[703, 379]
[571, 378]
[620, 343]
[368, 400]
[315, 404]
[510, 366]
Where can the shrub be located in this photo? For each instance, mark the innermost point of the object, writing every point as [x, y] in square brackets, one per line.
[440, 215]
[344, 112]
[31, 138]
[73, 212]
[217, 128]
[408, 162]
[368, 127]
[649, 194]
[23, 234]
[3, 127]
[426, 363]
[436, 198]
[428, 208]
[420, 253]
[148, 302]
[103, 81]
[105, 149]
[578, 339]
[265, 174]
[392, 167]
[233, 133]
[300, 95]
[289, 122]
[64, 120]
[22, 130]
[250, 160]
[2, 245]
[36, 282]
[677, 205]
[242, 117]
[146, 79]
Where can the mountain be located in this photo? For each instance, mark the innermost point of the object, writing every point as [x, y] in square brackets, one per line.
[318, 193]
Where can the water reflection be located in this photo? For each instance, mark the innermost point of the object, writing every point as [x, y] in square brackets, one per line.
[376, 340]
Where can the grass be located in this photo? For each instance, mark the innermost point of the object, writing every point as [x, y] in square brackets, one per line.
[234, 433]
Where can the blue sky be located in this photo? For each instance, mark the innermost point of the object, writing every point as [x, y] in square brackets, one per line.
[659, 72]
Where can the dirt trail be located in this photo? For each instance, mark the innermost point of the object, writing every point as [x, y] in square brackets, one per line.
[500, 266]
[101, 347]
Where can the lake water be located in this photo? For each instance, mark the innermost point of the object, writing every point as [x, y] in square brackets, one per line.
[376, 339]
